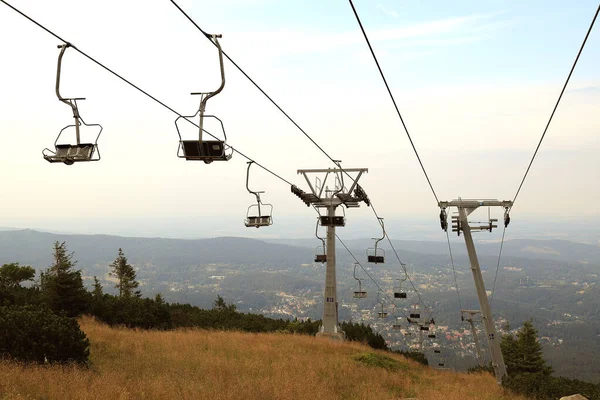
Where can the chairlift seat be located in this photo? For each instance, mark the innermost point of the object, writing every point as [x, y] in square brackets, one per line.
[376, 259]
[322, 258]
[415, 315]
[332, 221]
[71, 153]
[431, 336]
[437, 351]
[360, 295]
[397, 326]
[424, 328]
[382, 314]
[399, 295]
[258, 221]
[441, 364]
[207, 150]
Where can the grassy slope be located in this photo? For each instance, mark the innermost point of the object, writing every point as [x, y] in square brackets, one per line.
[199, 364]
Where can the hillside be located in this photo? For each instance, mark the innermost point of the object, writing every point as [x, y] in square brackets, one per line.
[197, 364]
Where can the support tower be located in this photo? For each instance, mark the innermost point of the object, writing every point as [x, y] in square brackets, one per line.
[460, 224]
[322, 198]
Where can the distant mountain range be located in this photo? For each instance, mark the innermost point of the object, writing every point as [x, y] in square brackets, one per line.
[35, 248]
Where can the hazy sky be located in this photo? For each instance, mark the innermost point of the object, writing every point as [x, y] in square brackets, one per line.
[475, 81]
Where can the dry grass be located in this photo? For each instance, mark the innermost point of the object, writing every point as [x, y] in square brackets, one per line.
[197, 364]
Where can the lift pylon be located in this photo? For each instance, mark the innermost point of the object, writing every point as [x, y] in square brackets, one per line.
[470, 314]
[321, 197]
[461, 224]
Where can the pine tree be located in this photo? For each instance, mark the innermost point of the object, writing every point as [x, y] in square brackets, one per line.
[62, 285]
[523, 353]
[530, 351]
[97, 291]
[125, 275]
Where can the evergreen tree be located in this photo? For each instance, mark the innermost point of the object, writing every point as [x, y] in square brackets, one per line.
[529, 351]
[97, 291]
[220, 305]
[62, 285]
[125, 275]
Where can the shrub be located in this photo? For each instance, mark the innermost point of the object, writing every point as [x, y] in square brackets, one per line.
[35, 334]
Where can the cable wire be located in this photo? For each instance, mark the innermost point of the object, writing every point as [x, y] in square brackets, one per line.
[393, 100]
[557, 103]
[138, 88]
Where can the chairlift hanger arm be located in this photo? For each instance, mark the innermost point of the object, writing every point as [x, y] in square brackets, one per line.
[256, 193]
[220, 88]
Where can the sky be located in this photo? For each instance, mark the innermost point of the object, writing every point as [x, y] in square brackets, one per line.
[475, 83]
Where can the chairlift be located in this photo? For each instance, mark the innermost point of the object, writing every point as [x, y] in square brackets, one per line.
[425, 328]
[431, 336]
[397, 325]
[78, 152]
[382, 313]
[321, 254]
[415, 315]
[255, 216]
[398, 292]
[335, 220]
[206, 150]
[360, 294]
[374, 254]
[437, 351]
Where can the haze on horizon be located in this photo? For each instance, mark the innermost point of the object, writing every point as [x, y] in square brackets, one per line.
[475, 82]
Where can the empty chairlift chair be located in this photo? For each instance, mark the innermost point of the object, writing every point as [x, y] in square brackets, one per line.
[201, 149]
[78, 151]
[321, 253]
[381, 314]
[398, 292]
[376, 255]
[360, 293]
[256, 215]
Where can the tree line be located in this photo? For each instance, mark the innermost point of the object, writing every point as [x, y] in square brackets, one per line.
[40, 324]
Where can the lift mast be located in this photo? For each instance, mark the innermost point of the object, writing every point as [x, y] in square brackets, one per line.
[461, 224]
[469, 319]
[329, 200]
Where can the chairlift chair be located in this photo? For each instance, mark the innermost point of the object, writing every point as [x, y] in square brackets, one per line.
[431, 336]
[255, 216]
[77, 152]
[321, 254]
[397, 325]
[437, 351]
[376, 255]
[398, 292]
[360, 294]
[425, 328]
[206, 150]
[381, 314]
